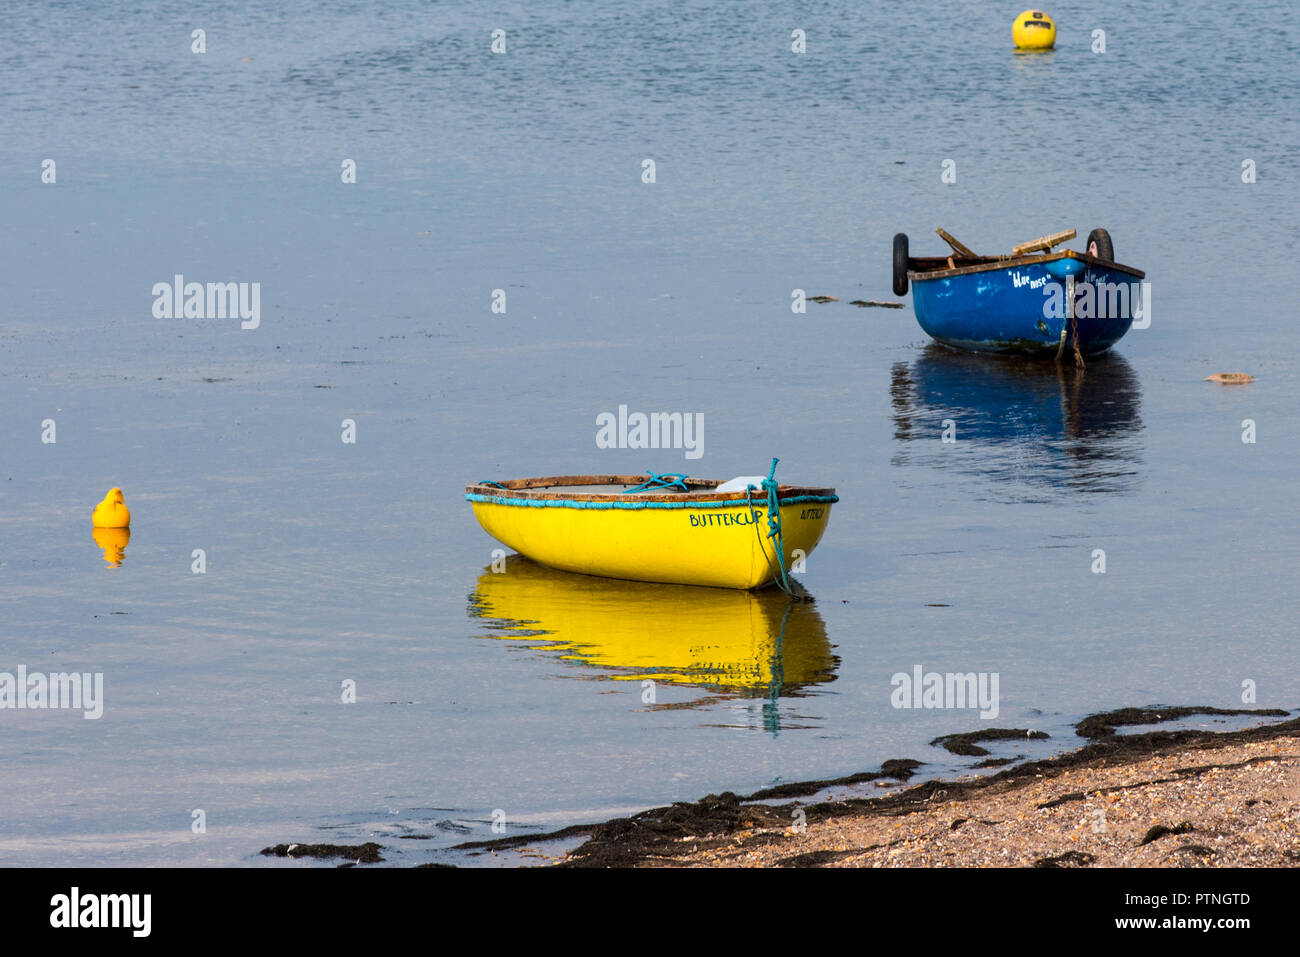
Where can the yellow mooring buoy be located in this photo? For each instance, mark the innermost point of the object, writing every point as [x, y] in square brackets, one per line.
[111, 512]
[1034, 30]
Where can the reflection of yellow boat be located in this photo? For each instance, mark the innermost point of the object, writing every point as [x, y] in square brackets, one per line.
[684, 531]
[750, 641]
[113, 541]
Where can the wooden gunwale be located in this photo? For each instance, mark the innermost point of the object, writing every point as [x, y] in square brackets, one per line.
[921, 268]
[701, 489]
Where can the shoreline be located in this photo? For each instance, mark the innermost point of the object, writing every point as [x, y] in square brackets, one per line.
[1181, 798]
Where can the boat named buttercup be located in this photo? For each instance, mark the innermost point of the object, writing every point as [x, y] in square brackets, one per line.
[631, 527]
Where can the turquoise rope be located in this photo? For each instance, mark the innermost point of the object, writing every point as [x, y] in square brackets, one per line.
[656, 481]
[487, 482]
[774, 525]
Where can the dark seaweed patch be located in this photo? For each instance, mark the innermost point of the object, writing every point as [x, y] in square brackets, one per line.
[367, 853]
[1068, 859]
[1102, 725]
[964, 743]
[662, 831]
[1159, 831]
[899, 769]
[523, 840]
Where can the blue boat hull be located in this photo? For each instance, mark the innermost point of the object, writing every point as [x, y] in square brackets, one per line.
[1006, 309]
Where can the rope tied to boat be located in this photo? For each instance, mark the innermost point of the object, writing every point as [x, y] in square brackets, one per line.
[490, 482]
[1074, 323]
[773, 527]
[668, 480]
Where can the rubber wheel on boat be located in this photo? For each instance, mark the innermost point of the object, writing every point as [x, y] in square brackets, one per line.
[1099, 245]
[900, 264]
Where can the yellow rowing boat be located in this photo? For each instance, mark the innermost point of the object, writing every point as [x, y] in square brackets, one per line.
[687, 531]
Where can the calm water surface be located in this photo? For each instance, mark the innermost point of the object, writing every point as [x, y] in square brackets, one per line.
[329, 562]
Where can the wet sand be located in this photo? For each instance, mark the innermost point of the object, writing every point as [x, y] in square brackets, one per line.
[1185, 798]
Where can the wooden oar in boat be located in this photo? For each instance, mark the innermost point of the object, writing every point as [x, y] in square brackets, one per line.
[1042, 243]
[960, 249]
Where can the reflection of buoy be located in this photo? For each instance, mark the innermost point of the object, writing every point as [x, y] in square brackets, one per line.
[1033, 30]
[112, 512]
[113, 541]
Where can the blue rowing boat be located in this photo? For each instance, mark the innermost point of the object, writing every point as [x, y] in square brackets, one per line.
[1033, 302]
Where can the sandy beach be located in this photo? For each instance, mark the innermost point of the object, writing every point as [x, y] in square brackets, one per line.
[1157, 799]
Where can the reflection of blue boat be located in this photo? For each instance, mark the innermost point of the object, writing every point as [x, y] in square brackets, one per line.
[1031, 304]
[1026, 423]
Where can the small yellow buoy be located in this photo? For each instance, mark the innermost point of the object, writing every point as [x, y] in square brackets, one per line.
[112, 512]
[1034, 30]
